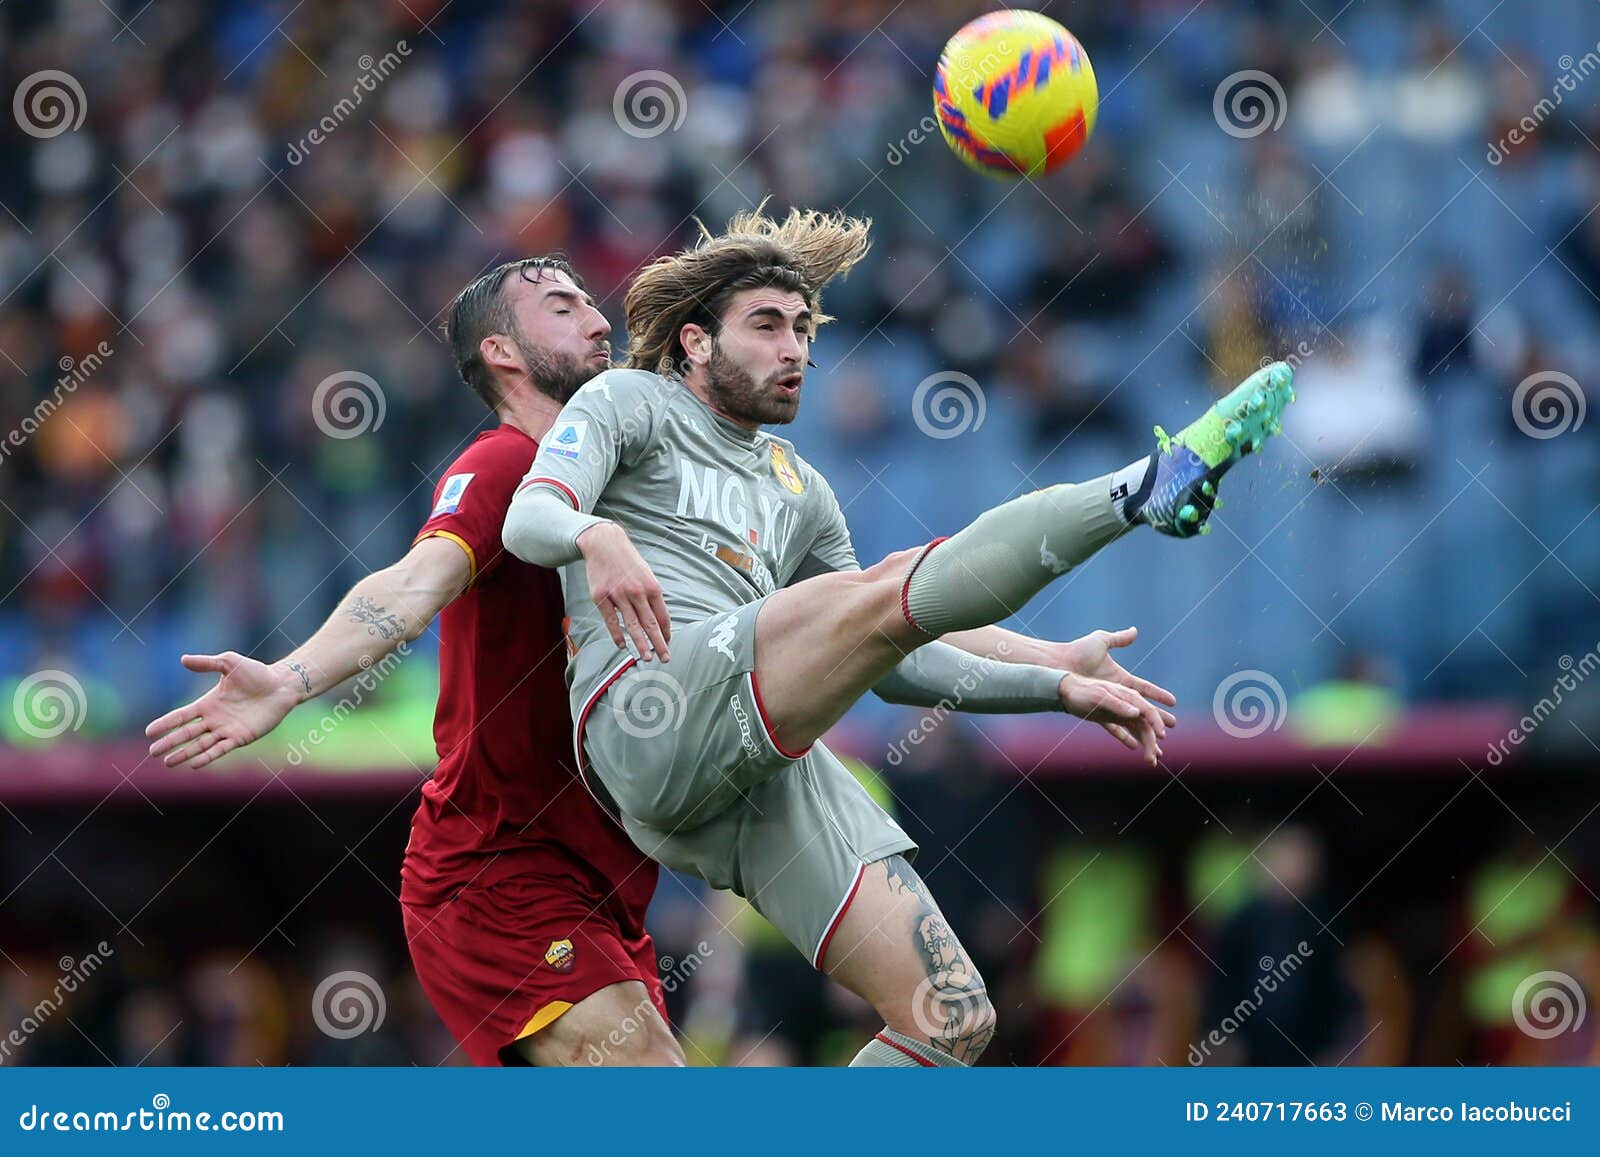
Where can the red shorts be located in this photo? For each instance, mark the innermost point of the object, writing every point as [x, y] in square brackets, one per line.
[501, 962]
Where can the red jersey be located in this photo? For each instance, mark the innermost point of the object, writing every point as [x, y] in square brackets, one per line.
[505, 799]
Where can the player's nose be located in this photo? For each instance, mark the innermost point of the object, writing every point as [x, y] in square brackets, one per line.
[598, 326]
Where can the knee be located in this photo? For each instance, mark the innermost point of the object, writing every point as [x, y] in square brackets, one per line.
[636, 1042]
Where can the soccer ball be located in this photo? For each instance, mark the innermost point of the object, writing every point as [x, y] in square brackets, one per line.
[1014, 94]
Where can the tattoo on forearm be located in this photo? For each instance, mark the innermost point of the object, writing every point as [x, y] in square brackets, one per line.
[379, 621]
[305, 676]
[953, 1004]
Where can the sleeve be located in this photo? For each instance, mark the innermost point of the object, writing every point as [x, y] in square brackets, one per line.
[831, 548]
[469, 504]
[938, 674]
[606, 424]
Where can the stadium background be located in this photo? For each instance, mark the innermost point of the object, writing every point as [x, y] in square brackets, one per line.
[1393, 593]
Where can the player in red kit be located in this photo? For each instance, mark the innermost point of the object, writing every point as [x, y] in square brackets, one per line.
[523, 902]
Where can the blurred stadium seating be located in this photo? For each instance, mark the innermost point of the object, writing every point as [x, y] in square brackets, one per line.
[1410, 592]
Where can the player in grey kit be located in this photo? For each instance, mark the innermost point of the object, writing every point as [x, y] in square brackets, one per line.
[720, 623]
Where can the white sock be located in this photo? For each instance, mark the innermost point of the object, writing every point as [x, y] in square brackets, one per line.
[1129, 484]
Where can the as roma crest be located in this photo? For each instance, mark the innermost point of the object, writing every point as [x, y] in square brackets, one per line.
[561, 955]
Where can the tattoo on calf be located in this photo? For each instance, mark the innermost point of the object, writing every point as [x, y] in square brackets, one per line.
[379, 621]
[952, 1005]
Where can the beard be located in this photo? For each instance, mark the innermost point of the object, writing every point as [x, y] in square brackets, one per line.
[735, 392]
[556, 375]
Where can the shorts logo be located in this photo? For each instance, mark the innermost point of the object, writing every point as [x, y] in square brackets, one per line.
[561, 955]
[568, 441]
[742, 717]
[721, 639]
[785, 471]
[450, 494]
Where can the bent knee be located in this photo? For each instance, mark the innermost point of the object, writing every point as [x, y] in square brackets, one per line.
[952, 1012]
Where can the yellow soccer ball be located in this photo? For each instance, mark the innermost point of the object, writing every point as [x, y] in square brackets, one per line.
[1014, 94]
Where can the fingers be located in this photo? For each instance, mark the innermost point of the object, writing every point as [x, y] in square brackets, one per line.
[658, 606]
[1122, 735]
[183, 755]
[212, 753]
[175, 736]
[654, 622]
[170, 720]
[1120, 638]
[635, 630]
[220, 664]
[611, 616]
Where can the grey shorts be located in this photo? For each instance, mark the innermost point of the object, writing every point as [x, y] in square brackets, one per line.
[681, 753]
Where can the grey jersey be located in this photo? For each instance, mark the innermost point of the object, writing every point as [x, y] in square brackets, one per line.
[722, 515]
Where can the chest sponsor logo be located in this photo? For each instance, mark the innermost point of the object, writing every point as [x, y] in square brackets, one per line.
[785, 471]
[450, 494]
[568, 440]
[724, 499]
[561, 955]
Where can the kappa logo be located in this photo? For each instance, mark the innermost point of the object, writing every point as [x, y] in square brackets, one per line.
[721, 639]
[747, 739]
[1051, 561]
[561, 955]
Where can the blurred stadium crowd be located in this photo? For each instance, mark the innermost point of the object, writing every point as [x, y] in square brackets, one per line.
[196, 265]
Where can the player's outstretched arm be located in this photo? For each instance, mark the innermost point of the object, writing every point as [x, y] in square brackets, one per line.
[387, 608]
[1089, 656]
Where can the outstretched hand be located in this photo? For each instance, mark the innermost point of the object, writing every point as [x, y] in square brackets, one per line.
[1090, 657]
[1130, 718]
[248, 701]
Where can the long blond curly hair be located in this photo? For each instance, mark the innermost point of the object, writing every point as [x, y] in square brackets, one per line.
[802, 253]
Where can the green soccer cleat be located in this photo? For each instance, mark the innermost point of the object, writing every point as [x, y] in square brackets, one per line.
[1189, 464]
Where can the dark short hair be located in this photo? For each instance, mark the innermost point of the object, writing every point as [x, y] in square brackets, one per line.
[482, 309]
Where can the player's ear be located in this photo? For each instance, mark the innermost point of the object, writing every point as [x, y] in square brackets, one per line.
[499, 352]
[696, 344]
